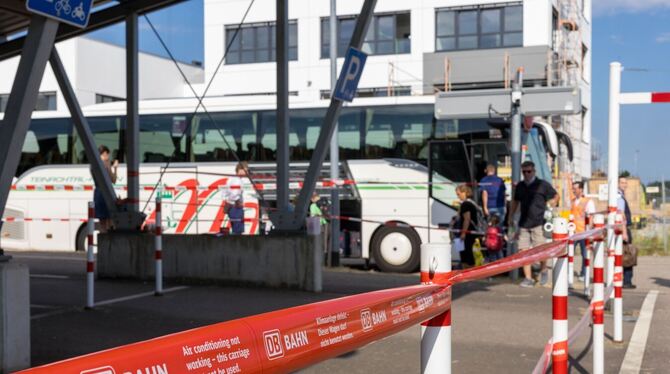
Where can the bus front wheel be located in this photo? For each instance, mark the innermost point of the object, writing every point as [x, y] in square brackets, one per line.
[80, 239]
[396, 249]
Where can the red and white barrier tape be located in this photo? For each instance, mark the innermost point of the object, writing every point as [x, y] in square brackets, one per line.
[290, 339]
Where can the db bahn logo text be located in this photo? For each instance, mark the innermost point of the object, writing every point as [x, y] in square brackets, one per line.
[370, 319]
[276, 343]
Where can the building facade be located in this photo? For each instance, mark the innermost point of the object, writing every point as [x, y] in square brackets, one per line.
[97, 72]
[415, 49]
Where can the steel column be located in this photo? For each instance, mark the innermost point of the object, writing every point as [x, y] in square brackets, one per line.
[102, 179]
[516, 149]
[328, 127]
[334, 255]
[132, 114]
[22, 99]
[282, 106]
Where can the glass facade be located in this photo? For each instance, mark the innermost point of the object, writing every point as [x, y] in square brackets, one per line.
[479, 28]
[387, 34]
[257, 43]
[45, 101]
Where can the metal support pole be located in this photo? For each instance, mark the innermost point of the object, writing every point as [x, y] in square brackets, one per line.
[436, 332]
[516, 151]
[334, 248]
[282, 107]
[597, 301]
[613, 164]
[328, 127]
[22, 100]
[618, 278]
[102, 179]
[158, 245]
[90, 257]
[132, 114]
[559, 354]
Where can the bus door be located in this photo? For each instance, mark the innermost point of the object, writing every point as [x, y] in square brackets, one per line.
[448, 166]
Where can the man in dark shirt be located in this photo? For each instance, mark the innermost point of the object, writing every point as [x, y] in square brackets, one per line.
[533, 195]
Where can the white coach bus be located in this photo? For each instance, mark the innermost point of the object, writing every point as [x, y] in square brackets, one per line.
[384, 148]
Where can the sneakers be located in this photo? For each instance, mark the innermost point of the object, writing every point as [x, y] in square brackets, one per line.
[544, 278]
[629, 286]
[527, 283]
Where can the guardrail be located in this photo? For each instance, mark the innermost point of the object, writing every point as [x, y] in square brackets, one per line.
[294, 338]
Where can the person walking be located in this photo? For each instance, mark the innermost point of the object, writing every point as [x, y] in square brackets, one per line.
[623, 207]
[582, 208]
[533, 197]
[467, 223]
[315, 211]
[101, 209]
[493, 194]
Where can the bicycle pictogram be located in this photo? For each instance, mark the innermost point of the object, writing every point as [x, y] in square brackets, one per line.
[62, 6]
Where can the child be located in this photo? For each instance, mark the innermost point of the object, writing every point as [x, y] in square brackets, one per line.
[494, 240]
[236, 216]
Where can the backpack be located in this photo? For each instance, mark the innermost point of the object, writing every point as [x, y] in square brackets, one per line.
[481, 225]
[493, 241]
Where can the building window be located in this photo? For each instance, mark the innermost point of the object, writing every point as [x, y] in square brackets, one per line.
[100, 99]
[45, 101]
[479, 28]
[257, 43]
[387, 34]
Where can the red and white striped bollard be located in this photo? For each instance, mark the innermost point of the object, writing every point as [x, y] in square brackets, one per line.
[158, 245]
[597, 301]
[618, 279]
[559, 354]
[571, 252]
[587, 266]
[611, 244]
[90, 257]
[436, 332]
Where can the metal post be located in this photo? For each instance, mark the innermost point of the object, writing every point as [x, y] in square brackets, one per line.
[282, 107]
[571, 253]
[436, 332]
[613, 163]
[665, 229]
[516, 150]
[102, 179]
[618, 278]
[327, 130]
[132, 114]
[22, 99]
[559, 301]
[334, 247]
[597, 301]
[158, 245]
[90, 257]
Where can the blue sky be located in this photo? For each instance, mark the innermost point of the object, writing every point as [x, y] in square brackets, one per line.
[634, 32]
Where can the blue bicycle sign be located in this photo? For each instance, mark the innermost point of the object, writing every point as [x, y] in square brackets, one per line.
[73, 12]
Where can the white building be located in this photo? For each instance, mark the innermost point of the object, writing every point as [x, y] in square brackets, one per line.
[416, 48]
[97, 72]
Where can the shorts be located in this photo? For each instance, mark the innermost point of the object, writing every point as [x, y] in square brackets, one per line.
[529, 238]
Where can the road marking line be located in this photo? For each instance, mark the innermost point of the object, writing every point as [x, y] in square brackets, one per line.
[632, 362]
[138, 296]
[49, 276]
[39, 257]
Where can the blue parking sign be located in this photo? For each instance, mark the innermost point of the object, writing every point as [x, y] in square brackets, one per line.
[74, 12]
[347, 83]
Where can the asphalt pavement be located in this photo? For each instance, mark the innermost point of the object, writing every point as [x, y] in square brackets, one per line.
[497, 326]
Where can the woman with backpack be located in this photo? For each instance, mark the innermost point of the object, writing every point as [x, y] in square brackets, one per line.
[468, 217]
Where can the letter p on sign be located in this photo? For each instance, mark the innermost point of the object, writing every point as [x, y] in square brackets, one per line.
[347, 83]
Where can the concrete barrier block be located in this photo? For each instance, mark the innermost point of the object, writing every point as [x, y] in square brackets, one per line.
[14, 317]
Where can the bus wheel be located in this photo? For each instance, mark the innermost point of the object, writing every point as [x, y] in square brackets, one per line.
[396, 249]
[80, 241]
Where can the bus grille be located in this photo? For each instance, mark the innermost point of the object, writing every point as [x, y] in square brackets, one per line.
[13, 230]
